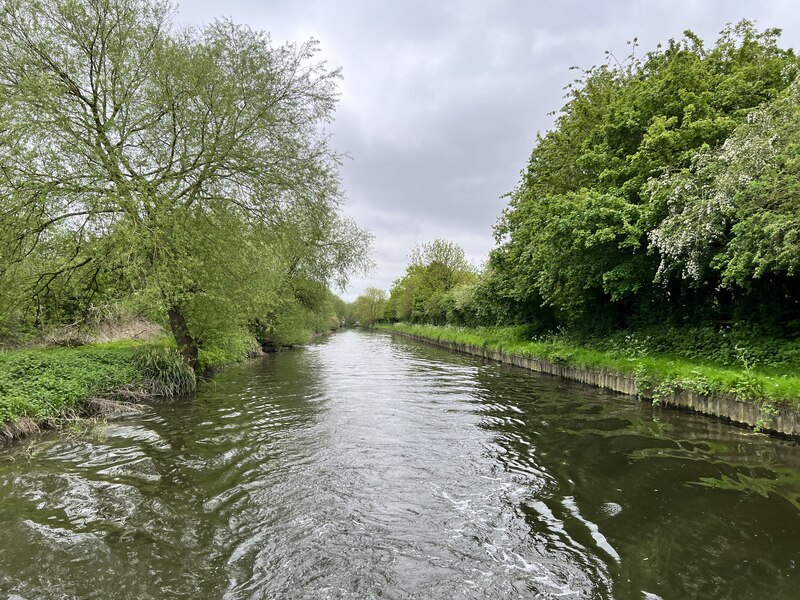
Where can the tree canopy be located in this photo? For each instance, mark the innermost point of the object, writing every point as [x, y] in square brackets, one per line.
[368, 308]
[665, 189]
[188, 168]
[425, 292]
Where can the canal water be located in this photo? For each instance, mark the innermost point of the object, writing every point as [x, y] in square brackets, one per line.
[366, 466]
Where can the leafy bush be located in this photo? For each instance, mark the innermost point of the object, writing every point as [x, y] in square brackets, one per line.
[226, 350]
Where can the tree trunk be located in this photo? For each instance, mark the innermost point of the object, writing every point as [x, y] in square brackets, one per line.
[180, 330]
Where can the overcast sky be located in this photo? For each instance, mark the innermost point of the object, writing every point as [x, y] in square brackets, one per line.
[441, 100]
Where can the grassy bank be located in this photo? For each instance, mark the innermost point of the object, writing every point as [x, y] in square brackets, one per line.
[769, 385]
[42, 387]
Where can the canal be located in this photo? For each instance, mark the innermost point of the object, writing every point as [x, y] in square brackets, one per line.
[367, 466]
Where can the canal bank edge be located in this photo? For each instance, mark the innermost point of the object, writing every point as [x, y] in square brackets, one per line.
[45, 388]
[781, 420]
[98, 381]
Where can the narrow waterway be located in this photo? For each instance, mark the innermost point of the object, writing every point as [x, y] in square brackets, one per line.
[366, 466]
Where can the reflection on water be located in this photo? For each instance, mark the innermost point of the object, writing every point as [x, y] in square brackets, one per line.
[365, 466]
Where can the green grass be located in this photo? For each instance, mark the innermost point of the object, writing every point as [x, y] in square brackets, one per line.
[769, 384]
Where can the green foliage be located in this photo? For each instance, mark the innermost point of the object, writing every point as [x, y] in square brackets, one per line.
[370, 306]
[233, 348]
[666, 195]
[735, 210]
[306, 309]
[340, 309]
[743, 345]
[190, 167]
[667, 187]
[164, 372]
[424, 293]
[46, 384]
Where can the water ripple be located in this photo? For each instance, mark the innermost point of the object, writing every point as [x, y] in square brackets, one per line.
[365, 466]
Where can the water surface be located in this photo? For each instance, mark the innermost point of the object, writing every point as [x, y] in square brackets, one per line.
[364, 466]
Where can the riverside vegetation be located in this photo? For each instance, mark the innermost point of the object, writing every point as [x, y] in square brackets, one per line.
[655, 230]
[184, 177]
[180, 176]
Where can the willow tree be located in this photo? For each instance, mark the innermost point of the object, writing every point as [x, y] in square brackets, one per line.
[190, 164]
